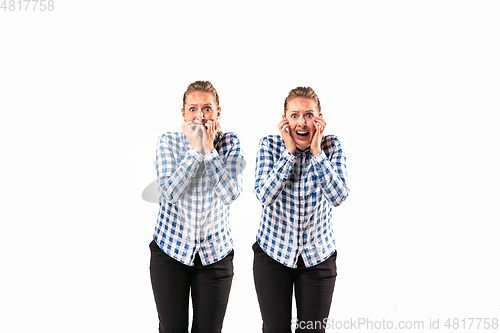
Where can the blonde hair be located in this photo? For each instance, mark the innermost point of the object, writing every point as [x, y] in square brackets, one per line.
[204, 86]
[305, 92]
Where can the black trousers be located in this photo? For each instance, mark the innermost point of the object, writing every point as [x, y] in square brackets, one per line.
[209, 285]
[274, 283]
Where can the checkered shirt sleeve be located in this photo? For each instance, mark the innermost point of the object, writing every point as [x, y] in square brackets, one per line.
[195, 193]
[297, 193]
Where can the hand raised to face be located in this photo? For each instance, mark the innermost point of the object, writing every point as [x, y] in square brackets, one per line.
[210, 128]
[304, 125]
[284, 128]
[195, 132]
[200, 115]
[201, 137]
[319, 124]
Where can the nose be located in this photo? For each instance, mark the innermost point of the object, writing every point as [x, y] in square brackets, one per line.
[302, 121]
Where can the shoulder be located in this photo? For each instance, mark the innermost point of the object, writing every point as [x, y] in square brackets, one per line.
[171, 136]
[229, 137]
[227, 140]
[271, 145]
[273, 141]
[331, 143]
[331, 139]
[173, 139]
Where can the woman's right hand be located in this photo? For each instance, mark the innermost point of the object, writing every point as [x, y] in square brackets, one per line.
[284, 127]
[194, 131]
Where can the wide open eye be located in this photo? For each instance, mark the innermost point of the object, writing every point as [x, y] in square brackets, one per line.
[207, 109]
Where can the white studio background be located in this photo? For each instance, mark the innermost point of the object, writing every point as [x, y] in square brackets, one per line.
[410, 87]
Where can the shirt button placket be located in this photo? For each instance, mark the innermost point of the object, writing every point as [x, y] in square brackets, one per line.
[301, 204]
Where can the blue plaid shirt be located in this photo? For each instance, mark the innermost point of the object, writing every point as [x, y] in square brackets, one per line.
[195, 193]
[297, 193]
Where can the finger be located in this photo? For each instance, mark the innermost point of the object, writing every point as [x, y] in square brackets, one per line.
[204, 130]
[210, 132]
[190, 123]
[282, 122]
[321, 121]
[283, 128]
[280, 125]
[319, 132]
[321, 125]
[210, 127]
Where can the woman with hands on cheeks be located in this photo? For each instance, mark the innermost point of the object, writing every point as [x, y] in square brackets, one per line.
[303, 127]
[299, 176]
[199, 176]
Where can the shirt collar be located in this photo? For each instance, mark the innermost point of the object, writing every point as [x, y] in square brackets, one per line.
[307, 151]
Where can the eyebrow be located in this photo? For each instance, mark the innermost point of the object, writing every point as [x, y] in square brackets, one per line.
[207, 104]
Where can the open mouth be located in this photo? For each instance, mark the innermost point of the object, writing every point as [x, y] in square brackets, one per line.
[302, 135]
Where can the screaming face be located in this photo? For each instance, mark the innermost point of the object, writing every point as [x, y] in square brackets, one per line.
[301, 113]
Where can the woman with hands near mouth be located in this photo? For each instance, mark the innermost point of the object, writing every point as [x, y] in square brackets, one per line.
[199, 176]
[299, 176]
[201, 120]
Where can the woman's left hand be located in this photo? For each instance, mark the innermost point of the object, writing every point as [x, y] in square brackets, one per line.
[319, 124]
[210, 129]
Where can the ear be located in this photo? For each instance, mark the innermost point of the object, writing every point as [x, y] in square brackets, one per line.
[283, 116]
[183, 114]
[218, 112]
[321, 115]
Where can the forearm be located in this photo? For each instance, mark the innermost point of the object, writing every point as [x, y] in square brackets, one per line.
[173, 186]
[271, 177]
[226, 178]
[332, 177]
